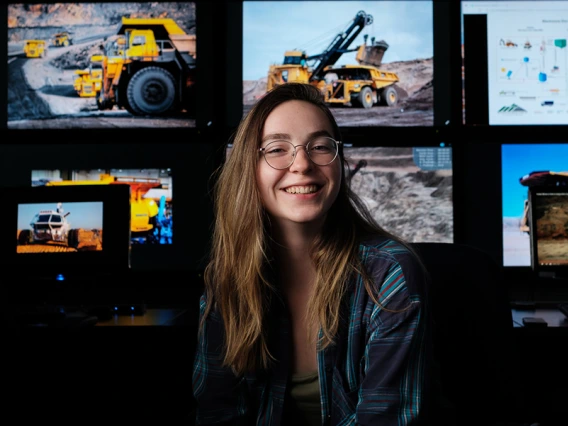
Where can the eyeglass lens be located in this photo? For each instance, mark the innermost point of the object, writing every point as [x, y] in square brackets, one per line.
[281, 154]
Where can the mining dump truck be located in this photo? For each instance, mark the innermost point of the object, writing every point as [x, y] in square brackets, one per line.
[35, 48]
[62, 39]
[88, 83]
[361, 85]
[149, 68]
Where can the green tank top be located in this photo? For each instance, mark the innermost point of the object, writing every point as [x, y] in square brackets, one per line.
[305, 392]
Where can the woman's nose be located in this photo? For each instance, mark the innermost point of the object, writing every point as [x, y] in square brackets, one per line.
[301, 159]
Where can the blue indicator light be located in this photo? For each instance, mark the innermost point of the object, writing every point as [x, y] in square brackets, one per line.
[60, 277]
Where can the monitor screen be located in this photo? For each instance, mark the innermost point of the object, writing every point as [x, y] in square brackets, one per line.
[409, 190]
[523, 166]
[151, 200]
[372, 60]
[101, 65]
[47, 227]
[515, 62]
[549, 230]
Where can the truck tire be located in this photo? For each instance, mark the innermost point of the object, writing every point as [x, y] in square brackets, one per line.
[151, 91]
[73, 238]
[25, 237]
[365, 97]
[389, 97]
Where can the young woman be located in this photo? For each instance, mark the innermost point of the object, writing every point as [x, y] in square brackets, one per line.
[312, 313]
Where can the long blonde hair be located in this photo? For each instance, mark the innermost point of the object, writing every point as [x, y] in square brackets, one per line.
[238, 278]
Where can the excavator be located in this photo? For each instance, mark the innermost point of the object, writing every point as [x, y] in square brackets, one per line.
[539, 178]
[363, 85]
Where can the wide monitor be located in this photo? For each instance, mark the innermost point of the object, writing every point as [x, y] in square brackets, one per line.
[523, 166]
[407, 188]
[100, 65]
[378, 63]
[151, 197]
[515, 62]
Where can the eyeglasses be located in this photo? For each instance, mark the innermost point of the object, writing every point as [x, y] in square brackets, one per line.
[281, 154]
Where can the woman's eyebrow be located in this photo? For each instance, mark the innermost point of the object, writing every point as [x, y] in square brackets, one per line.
[273, 136]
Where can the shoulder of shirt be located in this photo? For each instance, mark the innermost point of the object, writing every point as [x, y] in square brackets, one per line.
[384, 245]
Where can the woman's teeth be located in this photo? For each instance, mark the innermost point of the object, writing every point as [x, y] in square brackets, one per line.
[310, 189]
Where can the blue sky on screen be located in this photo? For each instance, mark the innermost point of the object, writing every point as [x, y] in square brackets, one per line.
[88, 215]
[272, 27]
[518, 160]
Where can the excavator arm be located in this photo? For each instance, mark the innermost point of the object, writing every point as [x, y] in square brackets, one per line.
[339, 45]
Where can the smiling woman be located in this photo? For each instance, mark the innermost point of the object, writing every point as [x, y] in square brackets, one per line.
[281, 283]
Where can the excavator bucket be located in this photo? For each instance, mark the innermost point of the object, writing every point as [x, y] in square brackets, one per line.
[372, 55]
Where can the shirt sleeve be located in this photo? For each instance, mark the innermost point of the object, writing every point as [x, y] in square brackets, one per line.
[394, 364]
[220, 396]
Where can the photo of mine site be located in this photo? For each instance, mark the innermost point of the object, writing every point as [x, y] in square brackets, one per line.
[406, 199]
[372, 60]
[101, 65]
[551, 227]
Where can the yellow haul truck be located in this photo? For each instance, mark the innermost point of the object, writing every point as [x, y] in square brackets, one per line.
[35, 48]
[143, 210]
[152, 72]
[357, 85]
[62, 39]
[89, 81]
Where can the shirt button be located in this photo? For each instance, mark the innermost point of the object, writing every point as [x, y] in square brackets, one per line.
[328, 369]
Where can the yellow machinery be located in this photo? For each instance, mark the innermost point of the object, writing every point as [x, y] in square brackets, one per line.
[35, 48]
[62, 39]
[143, 210]
[361, 85]
[89, 81]
[153, 71]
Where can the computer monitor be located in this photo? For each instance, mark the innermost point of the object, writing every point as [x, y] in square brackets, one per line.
[56, 232]
[524, 165]
[408, 189]
[378, 63]
[101, 65]
[151, 197]
[549, 230]
[515, 62]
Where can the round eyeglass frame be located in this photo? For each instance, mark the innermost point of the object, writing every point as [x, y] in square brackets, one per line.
[337, 144]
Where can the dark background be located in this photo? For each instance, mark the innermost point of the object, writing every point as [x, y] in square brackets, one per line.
[141, 373]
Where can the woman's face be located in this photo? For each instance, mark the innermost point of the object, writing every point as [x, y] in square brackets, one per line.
[303, 192]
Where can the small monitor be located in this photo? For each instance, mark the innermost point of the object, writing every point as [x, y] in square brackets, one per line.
[57, 232]
[524, 165]
[515, 62]
[549, 230]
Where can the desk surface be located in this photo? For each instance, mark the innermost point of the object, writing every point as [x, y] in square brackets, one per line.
[152, 317]
[553, 317]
